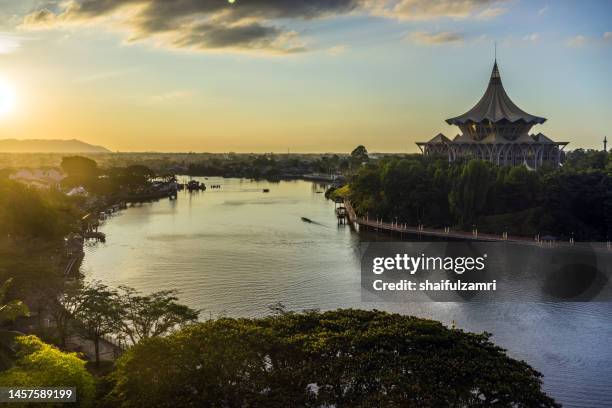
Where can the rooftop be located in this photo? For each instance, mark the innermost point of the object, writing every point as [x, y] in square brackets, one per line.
[495, 106]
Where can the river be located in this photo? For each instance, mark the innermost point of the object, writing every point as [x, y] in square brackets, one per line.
[236, 250]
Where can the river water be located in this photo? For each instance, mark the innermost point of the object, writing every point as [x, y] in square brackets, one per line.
[234, 251]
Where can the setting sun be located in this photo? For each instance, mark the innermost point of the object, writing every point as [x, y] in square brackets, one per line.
[7, 97]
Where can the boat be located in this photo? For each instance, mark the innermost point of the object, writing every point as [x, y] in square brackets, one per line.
[266, 190]
[194, 185]
[308, 220]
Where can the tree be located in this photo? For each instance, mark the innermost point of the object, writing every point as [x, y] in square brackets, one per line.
[8, 312]
[132, 176]
[80, 171]
[470, 192]
[152, 315]
[79, 166]
[343, 358]
[42, 365]
[29, 213]
[359, 155]
[99, 314]
[63, 306]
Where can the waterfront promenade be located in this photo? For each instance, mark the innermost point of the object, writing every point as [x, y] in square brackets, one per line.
[447, 233]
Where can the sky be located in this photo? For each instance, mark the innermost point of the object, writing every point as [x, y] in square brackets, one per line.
[297, 75]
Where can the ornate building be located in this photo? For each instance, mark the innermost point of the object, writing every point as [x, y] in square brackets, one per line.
[497, 130]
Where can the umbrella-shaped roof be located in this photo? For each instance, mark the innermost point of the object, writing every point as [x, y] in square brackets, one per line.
[495, 106]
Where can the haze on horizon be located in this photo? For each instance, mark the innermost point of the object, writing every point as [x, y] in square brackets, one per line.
[304, 75]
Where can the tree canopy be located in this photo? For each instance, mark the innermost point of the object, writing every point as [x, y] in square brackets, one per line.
[560, 202]
[9, 311]
[344, 358]
[27, 213]
[80, 171]
[157, 314]
[98, 314]
[42, 365]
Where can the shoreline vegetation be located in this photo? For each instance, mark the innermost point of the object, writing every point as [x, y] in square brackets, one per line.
[572, 202]
[44, 230]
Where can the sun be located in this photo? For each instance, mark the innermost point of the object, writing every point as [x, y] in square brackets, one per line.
[7, 97]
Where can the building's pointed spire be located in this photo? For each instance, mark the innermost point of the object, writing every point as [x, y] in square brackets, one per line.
[495, 77]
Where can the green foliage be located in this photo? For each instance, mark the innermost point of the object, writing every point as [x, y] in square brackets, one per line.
[557, 202]
[29, 213]
[42, 365]
[157, 314]
[581, 159]
[345, 358]
[268, 166]
[470, 191]
[63, 305]
[12, 309]
[9, 311]
[133, 176]
[81, 171]
[98, 314]
[359, 155]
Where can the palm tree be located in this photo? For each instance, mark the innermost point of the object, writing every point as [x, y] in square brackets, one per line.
[8, 313]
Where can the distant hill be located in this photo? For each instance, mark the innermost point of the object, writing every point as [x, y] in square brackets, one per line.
[48, 146]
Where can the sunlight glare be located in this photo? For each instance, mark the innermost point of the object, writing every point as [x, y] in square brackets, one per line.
[7, 98]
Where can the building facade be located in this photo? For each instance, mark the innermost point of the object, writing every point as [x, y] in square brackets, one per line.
[497, 130]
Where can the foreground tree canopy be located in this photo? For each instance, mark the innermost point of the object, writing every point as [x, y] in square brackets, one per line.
[345, 358]
[42, 365]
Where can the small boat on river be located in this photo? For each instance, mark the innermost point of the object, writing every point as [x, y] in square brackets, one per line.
[194, 185]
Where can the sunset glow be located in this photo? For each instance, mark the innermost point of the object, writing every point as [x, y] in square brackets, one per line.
[7, 98]
[314, 76]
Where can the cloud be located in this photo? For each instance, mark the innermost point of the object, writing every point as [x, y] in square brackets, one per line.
[491, 12]
[442, 37]
[577, 41]
[543, 10]
[242, 25]
[434, 9]
[41, 18]
[195, 24]
[533, 37]
[581, 40]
